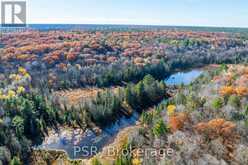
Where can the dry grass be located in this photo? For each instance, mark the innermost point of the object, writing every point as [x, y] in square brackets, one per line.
[118, 144]
[74, 97]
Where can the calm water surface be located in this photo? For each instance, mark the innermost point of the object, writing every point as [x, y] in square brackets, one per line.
[69, 140]
[184, 78]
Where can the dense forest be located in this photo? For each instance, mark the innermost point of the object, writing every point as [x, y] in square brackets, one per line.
[206, 122]
[59, 60]
[36, 64]
[26, 114]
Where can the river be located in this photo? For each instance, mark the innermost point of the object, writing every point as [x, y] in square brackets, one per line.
[70, 140]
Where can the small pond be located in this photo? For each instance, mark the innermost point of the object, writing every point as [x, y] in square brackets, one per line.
[184, 78]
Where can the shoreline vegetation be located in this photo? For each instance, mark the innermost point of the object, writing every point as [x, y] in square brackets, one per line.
[35, 65]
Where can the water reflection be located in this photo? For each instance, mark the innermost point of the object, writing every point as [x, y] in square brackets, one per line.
[184, 78]
[68, 139]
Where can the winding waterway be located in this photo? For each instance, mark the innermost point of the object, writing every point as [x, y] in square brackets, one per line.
[70, 140]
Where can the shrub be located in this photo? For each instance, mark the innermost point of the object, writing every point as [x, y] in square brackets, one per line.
[194, 102]
[216, 128]
[234, 101]
[177, 121]
[217, 103]
[180, 98]
[224, 67]
[146, 118]
[159, 128]
[95, 161]
[123, 160]
[227, 90]
[5, 155]
[242, 91]
[18, 124]
[246, 110]
[136, 161]
[171, 110]
[15, 161]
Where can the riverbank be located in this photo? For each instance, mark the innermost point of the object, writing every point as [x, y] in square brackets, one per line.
[66, 139]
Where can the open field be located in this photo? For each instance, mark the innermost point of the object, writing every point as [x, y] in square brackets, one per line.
[76, 97]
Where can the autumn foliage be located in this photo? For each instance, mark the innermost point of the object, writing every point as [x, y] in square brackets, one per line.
[237, 81]
[221, 129]
[177, 121]
[227, 90]
[230, 90]
[216, 128]
[241, 91]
